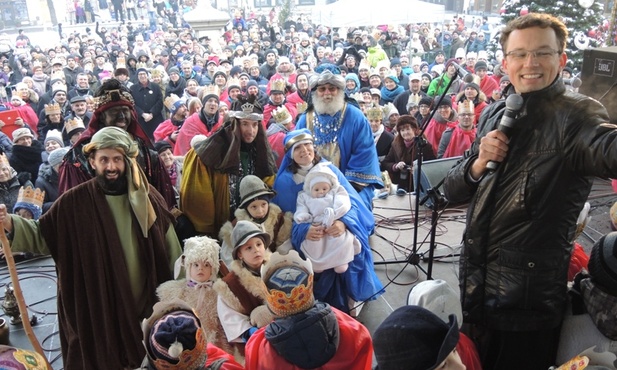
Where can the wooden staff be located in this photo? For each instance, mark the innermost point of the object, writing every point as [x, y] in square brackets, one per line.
[23, 309]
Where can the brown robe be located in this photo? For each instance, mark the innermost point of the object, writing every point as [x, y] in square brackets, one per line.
[99, 320]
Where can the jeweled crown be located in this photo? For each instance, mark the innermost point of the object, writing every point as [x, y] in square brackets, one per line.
[301, 107]
[113, 96]
[374, 113]
[278, 85]
[281, 115]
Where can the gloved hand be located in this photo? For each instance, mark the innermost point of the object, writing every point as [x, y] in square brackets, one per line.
[247, 334]
[261, 316]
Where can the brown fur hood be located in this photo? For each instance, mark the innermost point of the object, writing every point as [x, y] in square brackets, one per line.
[251, 283]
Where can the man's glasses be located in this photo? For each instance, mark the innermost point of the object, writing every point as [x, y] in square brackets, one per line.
[323, 89]
[540, 54]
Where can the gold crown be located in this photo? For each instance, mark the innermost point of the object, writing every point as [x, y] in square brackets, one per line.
[52, 108]
[281, 115]
[141, 65]
[120, 62]
[233, 82]
[208, 90]
[170, 101]
[466, 106]
[358, 97]
[298, 294]
[374, 113]
[4, 160]
[301, 107]
[278, 85]
[31, 196]
[113, 96]
[72, 124]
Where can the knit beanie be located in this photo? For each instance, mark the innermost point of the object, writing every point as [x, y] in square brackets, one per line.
[161, 146]
[480, 65]
[174, 70]
[56, 156]
[473, 86]
[174, 338]
[445, 101]
[54, 135]
[413, 338]
[426, 100]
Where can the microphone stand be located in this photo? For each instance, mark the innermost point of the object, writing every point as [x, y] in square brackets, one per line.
[433, 194]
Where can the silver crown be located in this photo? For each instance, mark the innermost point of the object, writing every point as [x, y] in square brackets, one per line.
[247, 108]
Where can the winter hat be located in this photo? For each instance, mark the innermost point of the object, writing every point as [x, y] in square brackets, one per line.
[450, 61]
[200, 249]
[54, 135]
[504, 78]
[174, 70]
[242, 232]
[394, 61]
[56, 156]
[20, 359]
[413, 338]
[393, 77]
[427, 75]
[58, 88]
[21, 133]
[603, 263]
[319, 173]
[30, 199]
[235, 70]
[415, 77]
[289, 284]
[460, 53]
[173, 103]
[426, 100]
[445, 101]
[252, 83]
[438, 297]
[219, 73]
[480, 65]
[327, 76]
[251, 188]
[473, 86]
[161, 146]
[376, 92]
[174, 338]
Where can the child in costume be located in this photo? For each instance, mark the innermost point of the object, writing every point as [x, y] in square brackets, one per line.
[255, 206]
[241, 303]
[322, 202]
[200, 261]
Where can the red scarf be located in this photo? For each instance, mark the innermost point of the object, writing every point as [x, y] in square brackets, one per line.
[460, 141]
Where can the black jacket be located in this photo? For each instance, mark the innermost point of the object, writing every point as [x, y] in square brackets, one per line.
[522, 218]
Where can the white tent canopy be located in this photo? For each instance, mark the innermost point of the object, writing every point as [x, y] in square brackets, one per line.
[355, 13]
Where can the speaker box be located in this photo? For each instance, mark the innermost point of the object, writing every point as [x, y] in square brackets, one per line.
[599, 78]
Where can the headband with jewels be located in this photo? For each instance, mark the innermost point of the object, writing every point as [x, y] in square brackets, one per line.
[281, 115]
[4, 160]
[52, 108]
[73, 124]
[112, 96]
[32, 196]
[301, 107]
[374, 113]
[171, 101]
[278, 86]
[288, 282]
[244, 108]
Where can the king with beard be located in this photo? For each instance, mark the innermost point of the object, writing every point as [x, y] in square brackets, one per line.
[342, 133]
[113, 243]
[115, 107]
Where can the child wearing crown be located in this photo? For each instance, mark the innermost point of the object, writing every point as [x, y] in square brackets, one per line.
[283, 123]
[255, 206]
[201, 264]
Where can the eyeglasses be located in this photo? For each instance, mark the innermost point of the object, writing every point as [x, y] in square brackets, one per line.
[323, 89]
[540, 54]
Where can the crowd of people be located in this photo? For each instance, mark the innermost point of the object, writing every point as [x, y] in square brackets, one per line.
[233, 180]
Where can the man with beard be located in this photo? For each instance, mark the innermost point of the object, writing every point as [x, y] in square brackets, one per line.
[115, 107]
[169, 129]
[342, 133]
[148, 102]
[132, 248]
[205, 121]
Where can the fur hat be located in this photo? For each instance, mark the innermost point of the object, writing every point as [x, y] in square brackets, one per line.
[200, 249]
[243, 232]
[413, 338]
[174, 338]
[319, 173]
[54, 135]
[56, 156]
[251, 188]
[21, 133]
[438, 297]
[289, 284]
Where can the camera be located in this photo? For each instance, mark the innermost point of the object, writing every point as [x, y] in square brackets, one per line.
[405, 172]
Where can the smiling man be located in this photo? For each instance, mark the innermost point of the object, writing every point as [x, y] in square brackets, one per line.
[522, 216]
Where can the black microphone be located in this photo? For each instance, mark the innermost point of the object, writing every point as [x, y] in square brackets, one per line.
[575, 82]
[462, 73]
[514, 103]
